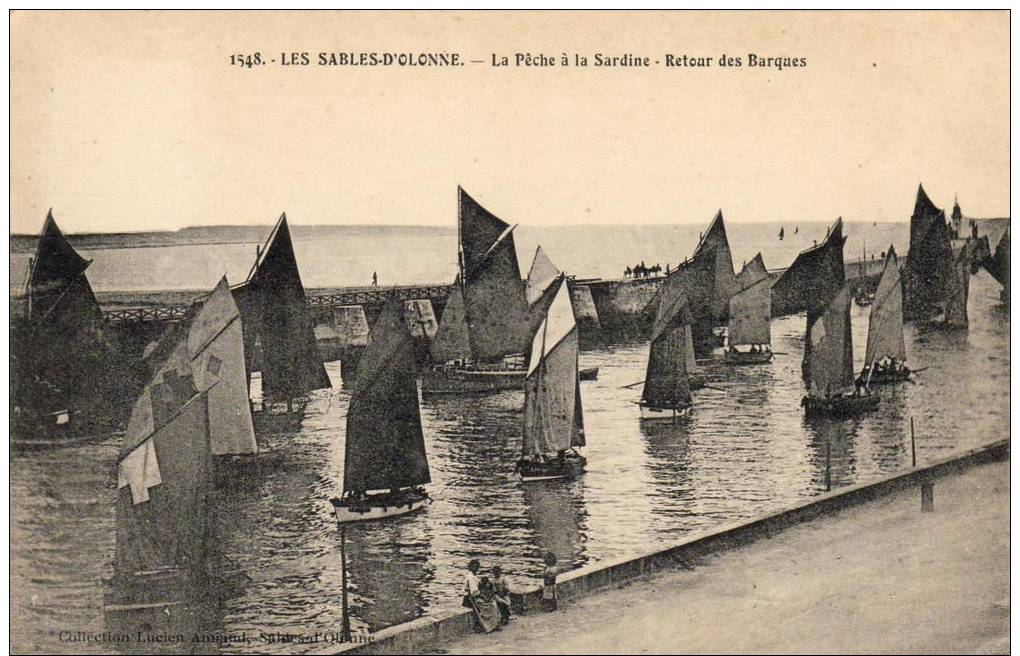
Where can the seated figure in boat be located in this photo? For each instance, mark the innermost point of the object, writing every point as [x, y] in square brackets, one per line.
[886, 370]
[562, 464]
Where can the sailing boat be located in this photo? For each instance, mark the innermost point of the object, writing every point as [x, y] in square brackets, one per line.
[750, 317]
[831, 389]
[667, 388]
[553, 416]
[958, 287]
[165, 538]
[61, 370]
[862, 297]
[276, 325]
[782, 232]
[480, 347]
[883, 359]
[385, 466]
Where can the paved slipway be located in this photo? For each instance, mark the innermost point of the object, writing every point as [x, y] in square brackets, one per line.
[878, 578]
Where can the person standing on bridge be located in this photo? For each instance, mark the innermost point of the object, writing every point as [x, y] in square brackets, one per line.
[375, 279]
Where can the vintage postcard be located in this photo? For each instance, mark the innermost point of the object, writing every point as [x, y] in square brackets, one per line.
[509, 332]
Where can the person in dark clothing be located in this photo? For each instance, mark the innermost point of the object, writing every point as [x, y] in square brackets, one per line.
[549, 598]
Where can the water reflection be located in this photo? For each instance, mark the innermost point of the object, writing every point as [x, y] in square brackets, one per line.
[389, 564]
[833, 452]
[556, 511]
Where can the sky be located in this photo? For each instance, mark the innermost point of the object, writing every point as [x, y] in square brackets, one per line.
[136, 121]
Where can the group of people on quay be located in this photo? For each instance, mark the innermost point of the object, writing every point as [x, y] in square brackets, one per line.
[488, 597]
[642, 271]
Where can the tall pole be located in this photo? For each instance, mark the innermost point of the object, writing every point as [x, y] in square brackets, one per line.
[345, 619]
[913, 446]
[828, 474]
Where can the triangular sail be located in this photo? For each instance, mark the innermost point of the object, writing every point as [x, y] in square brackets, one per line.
[542, 274]
[670, 355]
[553, 420]
[452, 342]
[274, 311]
[494, 298]
[830, 364]
[385, 446]
[927, 270]
[998, 263]
[538, 310]
[814, 277]
[885, 326]
[751, 273]
[55, 265]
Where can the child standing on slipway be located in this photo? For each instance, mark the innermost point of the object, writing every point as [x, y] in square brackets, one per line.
[549, 599]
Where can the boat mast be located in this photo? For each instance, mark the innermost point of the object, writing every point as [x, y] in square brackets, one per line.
[345, 618]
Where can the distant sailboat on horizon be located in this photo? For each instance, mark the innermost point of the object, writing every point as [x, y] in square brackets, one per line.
[782, 232]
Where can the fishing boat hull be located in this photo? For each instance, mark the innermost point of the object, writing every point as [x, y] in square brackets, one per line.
[591, 373]
[571, 466]
[741, 357]
[374, 507]
[885, 377]
[839, 406]
[456, 380]
[656, 413]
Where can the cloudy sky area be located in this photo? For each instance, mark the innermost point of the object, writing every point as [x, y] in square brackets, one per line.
[138, 122]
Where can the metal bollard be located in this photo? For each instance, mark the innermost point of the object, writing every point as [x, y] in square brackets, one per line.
[928, 496]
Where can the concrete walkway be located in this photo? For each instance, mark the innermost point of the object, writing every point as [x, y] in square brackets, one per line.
[882, 577]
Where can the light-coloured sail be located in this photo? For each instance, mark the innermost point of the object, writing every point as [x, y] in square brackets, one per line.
[543, 272]
[830, 360]
[216, 349]
[750, 315]
[885, 327]
[553, 419]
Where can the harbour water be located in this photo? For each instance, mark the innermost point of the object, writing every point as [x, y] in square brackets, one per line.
[745, 450]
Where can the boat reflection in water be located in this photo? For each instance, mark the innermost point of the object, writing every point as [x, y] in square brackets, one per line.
[389, 566]
[557, 515]
[833, 452]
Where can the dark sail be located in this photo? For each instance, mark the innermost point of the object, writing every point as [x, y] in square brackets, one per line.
[553, 419]
[830, 363]
[385, 447]
[164, 481]
[885, 326]
[274, 314]
[927, 270]
[709, 280]
[957, 288]
[998, 263]
[666, 384]
[494, 295]
[61, 359]
[814, 278]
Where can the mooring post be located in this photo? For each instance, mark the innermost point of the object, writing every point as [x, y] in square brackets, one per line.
[928, 496]
[345, 619]
[828, 465]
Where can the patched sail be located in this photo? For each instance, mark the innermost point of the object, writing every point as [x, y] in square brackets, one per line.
[163, 482]
[275, 315]
[885, 326]
[553, 419]
[830, 364]
[494, 297]
[385, 447]
[216, 350]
